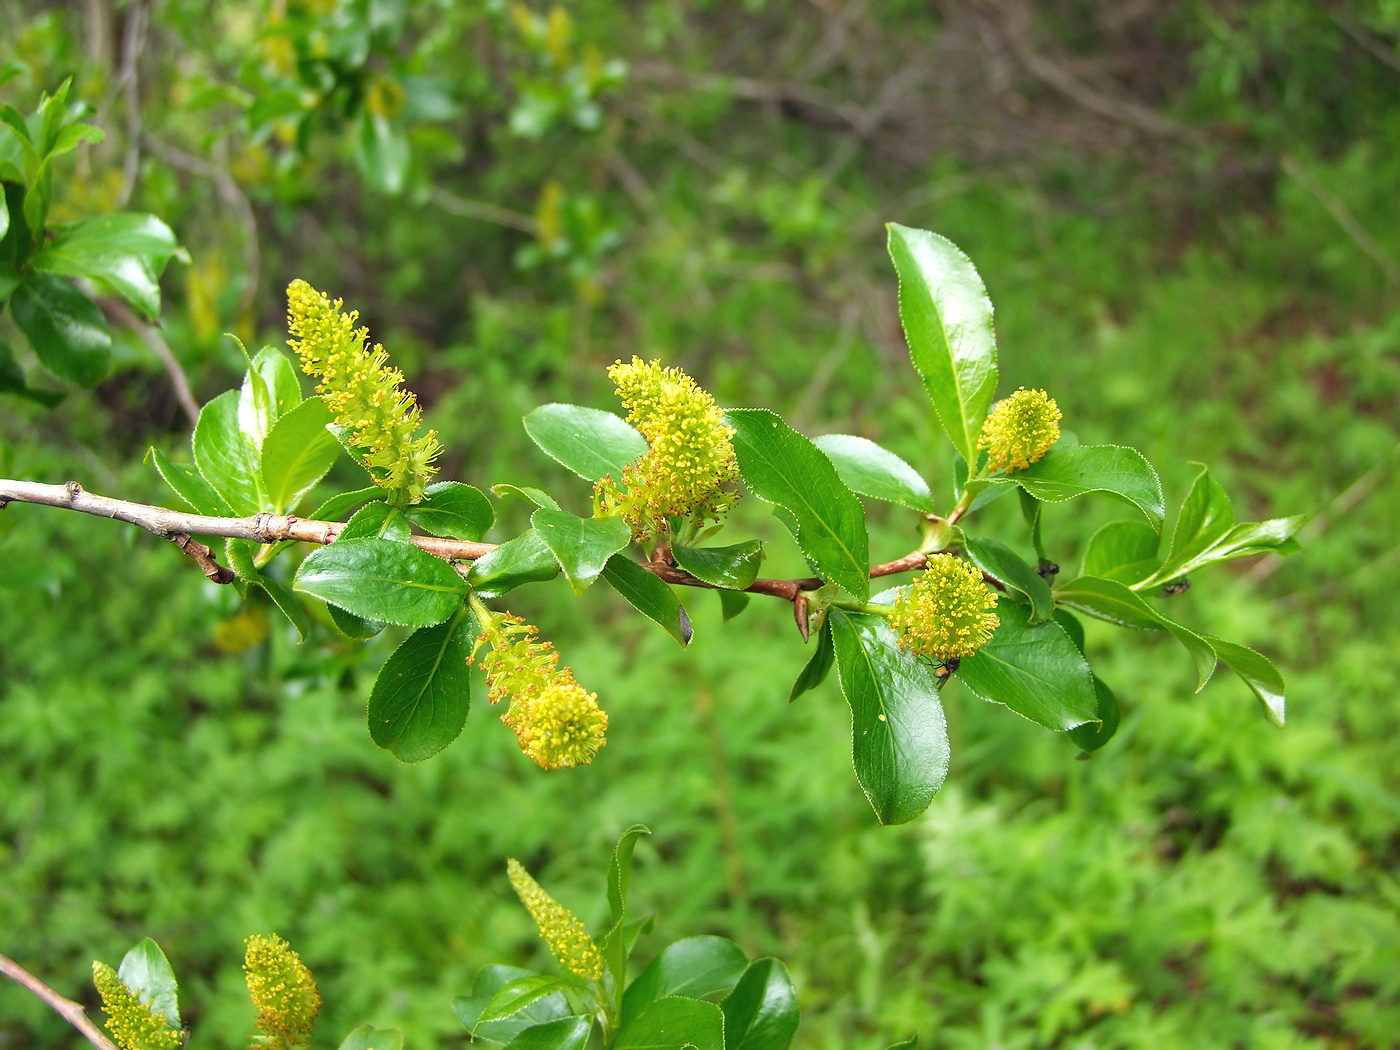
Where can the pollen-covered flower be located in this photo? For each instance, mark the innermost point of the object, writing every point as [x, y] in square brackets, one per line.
[561, 929]
[557, 723]
[283, 992]
[364, 392]
[690, 458]
[1020, 430]
[946, 612]
[132, 1023]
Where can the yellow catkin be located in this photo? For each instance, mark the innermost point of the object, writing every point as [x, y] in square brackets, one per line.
[132, 1024]
[561, 929]
[364, 393]
[690, 453]
[946, 612]
[1020, 430]
[283, 993]
[557, 723]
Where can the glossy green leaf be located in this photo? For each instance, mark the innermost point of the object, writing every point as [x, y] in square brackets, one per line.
[733, 567]
[524, 559]
[616, 945]
[733, 603]
[335, 508]
[380, 579]
[66, 329]
[379, 520]
[566, 1033]
[488, 982]
[782, 467]
[146, 971]
[240, 555]
[367, 1037]
[651, 597]
[189, 484]
[582, 546]
[817, 667]
[270, 388]
[126, 251]
[383, 152]
[898, 734]
[12, 379]
[947, 320]
[1125, 551]
[538, 497]
[514, 996]
[297, 452]
[674, 1022]
[1067, 471]
[998, 560]
[1112, 601]
[420, 699]
[1256, 671]
[590, 442]
[696, 967]
[761, 1013]
[1034, 669]
[1093, 735]
[225, 456]
[450, 508]
[874, 471]
[353, 626]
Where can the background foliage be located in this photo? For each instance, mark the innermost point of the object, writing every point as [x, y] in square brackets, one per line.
[1186, 216]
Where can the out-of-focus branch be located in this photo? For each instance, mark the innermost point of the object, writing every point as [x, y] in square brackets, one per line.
[1342, 215]
[486, 212]
[70, 1011]
[119, 312]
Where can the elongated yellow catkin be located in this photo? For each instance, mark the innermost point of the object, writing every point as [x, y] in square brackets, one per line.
[561, 929]
[283, 992]
[131, 1023]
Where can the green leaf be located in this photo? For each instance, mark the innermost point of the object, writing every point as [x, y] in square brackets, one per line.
[649, 596]
[488, 982]
[874, 471]
[524, 559]
[1093, 735]
[65, 328]
[1034, 669]
[582, 546]
[270, 388]
[126, 251]
[297, 452]
[898, 734]
[367, 1037]
[189, 484]
[590, 442]
[912, 1043]
[761, 1013]
[146, 971]
[1258, 672]
[998, 560]
[732, 603]
[947, 319]
[240, 559]
[1125, 551]
[538, 497]
[1112, 601]
[383, 152]
[380, 579]
[616, 945]
[420, 699]
[566, 1033]
[516, 995]
[334, 508]
[674, 1022]
[379, 520]
[451, 508]
[818, 667]
[782, 467]
[695, 967]
[353, 626]
[1067, 471]
[225, 456]
[12, 376]
[732, 567]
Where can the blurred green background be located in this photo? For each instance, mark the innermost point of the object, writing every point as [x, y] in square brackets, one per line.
[1188, 218]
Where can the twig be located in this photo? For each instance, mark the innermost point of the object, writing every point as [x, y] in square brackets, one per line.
[486, 212]
[133, 44]
[1376, 46]
[203, 557]
[121, 313]
[1342, 215]
[70, 1011]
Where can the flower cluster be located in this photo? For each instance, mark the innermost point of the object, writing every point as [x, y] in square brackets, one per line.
[1020, 430]
[561, 929]
[690, 458]
[132, 1024]
[379, 418]
[557, 723]
[283, 992]
[946, 612]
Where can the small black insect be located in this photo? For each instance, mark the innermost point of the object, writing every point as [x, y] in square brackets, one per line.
[944, 671]
[1177, 586]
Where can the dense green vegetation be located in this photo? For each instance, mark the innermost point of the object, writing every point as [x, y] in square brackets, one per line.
[1210, 272]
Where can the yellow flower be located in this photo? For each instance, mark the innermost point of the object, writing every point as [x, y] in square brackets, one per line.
[364, 392]
[1020, 430]
[132, 1023]
[557, 723]
[946, 612]
[690, 455]
[561, 929]
[283, 992]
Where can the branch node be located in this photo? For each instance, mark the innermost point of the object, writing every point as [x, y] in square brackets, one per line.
[74, 490]
[203, 557]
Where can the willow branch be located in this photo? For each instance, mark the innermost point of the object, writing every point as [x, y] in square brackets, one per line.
[70, 1011]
